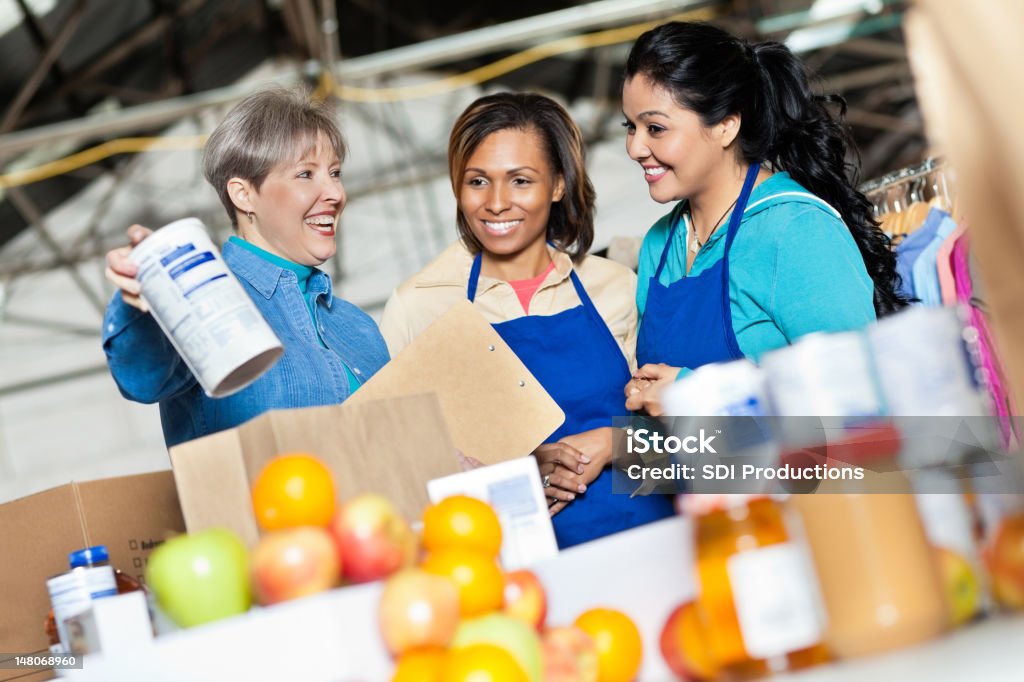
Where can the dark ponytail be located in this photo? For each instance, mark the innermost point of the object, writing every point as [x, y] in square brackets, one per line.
[784, 124]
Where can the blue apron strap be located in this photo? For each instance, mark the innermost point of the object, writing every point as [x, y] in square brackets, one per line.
[734, 226]
[741, 205]
[676, 216]
[474, 275]
[595, 316]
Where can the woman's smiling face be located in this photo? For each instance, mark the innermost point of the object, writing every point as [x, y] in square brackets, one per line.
[506, 192]
[297, 207]
[677, 152]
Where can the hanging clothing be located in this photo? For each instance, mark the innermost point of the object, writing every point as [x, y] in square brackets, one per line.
[578, 362]
[910, 248]
[1002, 399]
[787, 259]
[924, 273]
[944, 265]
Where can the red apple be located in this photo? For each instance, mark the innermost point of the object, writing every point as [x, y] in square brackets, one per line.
[569, 655]
[525, 598]
[372, 537]
[1005, 560]
[417, 609]
[682, 644]
[292, 563]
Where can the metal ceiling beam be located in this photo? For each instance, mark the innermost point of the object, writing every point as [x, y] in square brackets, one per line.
[861, 78]
[423, 55]
[34, 217]
[42, 68]
[871, 47]
[870, 119]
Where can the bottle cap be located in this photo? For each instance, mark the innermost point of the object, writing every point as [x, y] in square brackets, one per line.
[88, 556]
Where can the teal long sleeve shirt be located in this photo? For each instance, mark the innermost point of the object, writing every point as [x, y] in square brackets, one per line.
[794, 268]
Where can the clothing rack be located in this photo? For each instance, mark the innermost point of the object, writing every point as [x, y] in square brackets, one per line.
[902, 175]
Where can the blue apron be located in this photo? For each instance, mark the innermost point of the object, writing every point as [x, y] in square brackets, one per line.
[689, 322]
[578, 362]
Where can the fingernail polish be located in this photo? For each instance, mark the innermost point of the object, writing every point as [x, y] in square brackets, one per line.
[571, 496]
[584, 459]
[582, 488]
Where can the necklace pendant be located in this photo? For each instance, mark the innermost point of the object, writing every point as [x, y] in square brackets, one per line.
[694, 246]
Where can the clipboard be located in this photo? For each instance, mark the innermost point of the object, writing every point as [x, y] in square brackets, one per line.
[495, 409]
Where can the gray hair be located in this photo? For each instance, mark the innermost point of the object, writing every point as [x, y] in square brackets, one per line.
[264, 129]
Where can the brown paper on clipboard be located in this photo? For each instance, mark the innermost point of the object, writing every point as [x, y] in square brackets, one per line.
[494, 407]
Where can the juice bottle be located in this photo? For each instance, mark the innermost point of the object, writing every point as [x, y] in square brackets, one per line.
[758, 598]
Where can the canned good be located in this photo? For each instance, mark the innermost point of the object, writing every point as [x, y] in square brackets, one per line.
[203, 310]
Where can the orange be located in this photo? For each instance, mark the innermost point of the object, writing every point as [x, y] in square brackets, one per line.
[464, 522]
[422, 664]
[479, 579]
[481, 663]
[295, 489]
[618, 643]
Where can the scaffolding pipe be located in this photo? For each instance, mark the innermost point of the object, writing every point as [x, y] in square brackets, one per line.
[430, 53]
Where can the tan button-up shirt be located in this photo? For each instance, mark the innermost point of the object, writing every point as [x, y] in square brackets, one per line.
[427, 295]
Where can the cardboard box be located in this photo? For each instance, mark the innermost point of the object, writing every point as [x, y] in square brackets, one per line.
[131, 515]
[392, 447]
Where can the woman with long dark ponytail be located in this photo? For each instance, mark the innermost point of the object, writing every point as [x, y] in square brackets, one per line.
[770, 239]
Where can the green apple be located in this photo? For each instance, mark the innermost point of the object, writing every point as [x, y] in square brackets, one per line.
[201, 577]
[505, 632]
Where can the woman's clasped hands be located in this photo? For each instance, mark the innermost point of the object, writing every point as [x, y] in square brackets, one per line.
[643, 392]
[569, 465]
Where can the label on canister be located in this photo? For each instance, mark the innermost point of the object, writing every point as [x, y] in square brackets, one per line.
[824, 375]
[73, 592]
[203, 310]
[923, 364]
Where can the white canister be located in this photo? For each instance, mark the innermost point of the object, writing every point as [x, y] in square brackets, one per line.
[924, 365]
[822, 388]
[203, 310]
[727, 389]
[824, 375]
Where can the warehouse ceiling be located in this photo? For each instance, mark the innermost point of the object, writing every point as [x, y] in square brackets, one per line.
[71, 61]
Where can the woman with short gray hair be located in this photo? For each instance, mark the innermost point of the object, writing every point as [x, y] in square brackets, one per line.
[275, 163]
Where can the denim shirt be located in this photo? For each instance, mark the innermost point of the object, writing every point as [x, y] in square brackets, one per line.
[147, 369]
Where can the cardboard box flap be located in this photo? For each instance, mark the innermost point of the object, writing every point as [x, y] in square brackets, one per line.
[494, 407]
[392, 447]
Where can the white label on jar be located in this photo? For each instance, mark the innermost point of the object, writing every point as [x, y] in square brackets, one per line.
[774, 597]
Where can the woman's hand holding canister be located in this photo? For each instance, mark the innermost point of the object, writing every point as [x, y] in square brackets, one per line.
[121, 271]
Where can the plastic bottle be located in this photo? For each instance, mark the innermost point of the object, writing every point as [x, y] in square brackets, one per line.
[91, 577]
[90, 557]
[758, 598]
